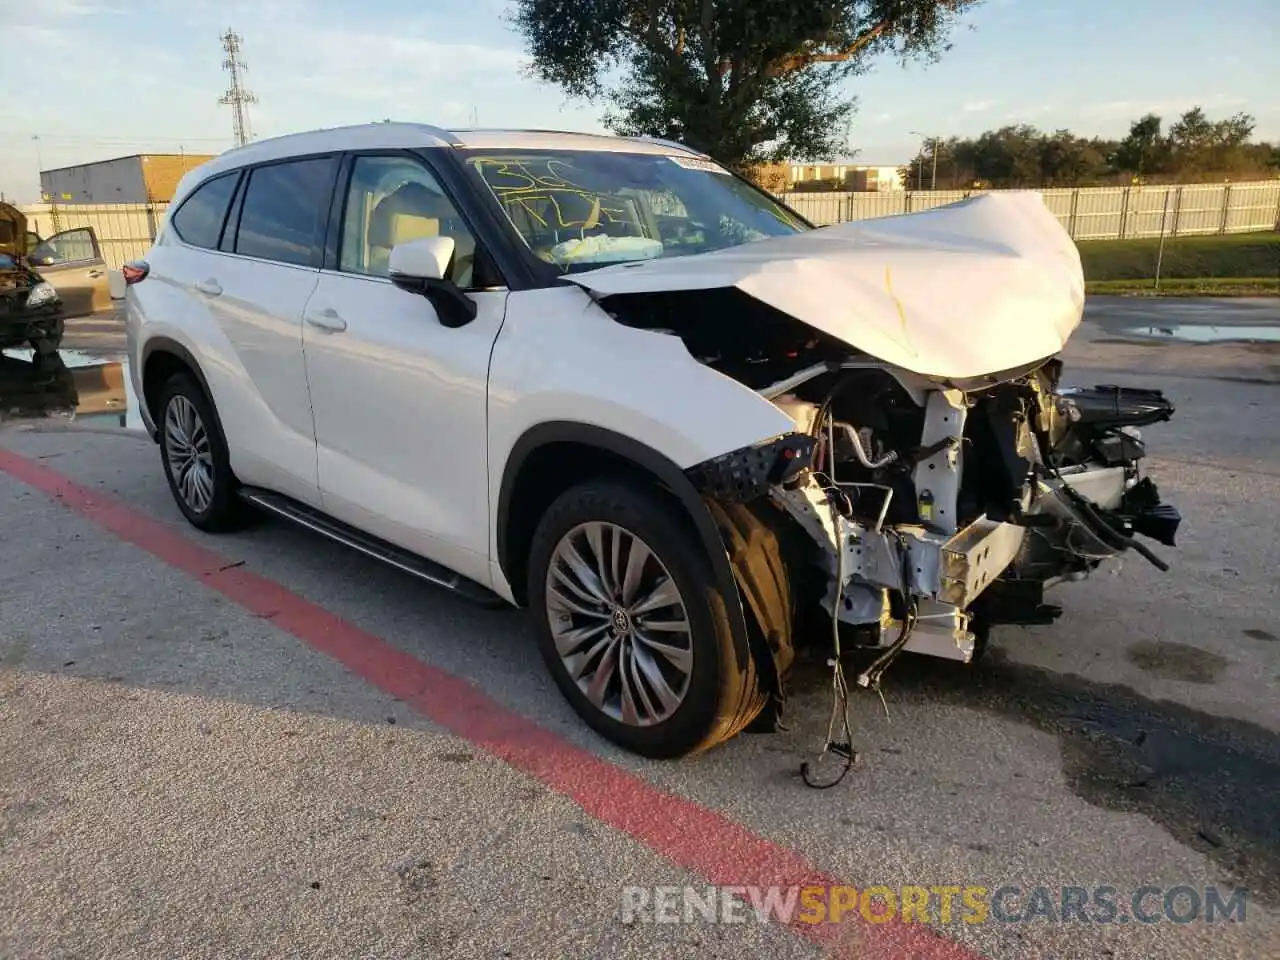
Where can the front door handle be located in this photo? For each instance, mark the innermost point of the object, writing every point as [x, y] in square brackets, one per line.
[209, 287]
[328, 319]
[95, 274]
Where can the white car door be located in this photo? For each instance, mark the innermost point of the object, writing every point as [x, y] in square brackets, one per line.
[255, 288]
[399, 399]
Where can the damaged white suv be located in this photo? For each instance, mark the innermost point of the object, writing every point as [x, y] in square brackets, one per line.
[608, 380]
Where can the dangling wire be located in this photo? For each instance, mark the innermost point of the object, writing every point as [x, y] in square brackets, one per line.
[871, 676]
[843, 748]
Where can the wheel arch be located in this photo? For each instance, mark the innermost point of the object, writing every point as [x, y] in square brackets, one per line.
[162, 357]
[550, 457]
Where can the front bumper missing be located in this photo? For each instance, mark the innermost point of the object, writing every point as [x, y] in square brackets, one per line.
[1064, 525]
[944, 573]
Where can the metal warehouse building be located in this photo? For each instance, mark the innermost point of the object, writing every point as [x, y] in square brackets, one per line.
[142, 178]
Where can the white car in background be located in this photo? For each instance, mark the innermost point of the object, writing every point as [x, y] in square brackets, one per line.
[608, 380]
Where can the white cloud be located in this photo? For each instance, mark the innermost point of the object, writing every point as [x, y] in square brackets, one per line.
[978, 106]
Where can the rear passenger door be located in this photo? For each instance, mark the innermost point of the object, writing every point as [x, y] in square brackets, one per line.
[72, 262]
[255, 289]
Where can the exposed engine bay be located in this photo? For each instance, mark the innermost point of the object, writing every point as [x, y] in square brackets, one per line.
[935, 512]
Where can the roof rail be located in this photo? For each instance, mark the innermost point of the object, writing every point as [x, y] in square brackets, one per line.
[427, 128]
[659, 141]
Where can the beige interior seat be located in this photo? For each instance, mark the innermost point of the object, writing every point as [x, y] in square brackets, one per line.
[412, 212]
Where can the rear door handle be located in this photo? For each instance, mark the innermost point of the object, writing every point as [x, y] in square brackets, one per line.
[327, 319]
[209, 287]
[95, 274]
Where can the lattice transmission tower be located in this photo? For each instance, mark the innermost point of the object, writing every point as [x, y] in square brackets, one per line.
[237, 96]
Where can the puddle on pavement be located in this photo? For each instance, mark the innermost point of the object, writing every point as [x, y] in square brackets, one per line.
[1177, 661]
[1207, 333]
[69, 387]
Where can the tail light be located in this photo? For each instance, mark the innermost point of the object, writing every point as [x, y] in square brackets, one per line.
[135, 271]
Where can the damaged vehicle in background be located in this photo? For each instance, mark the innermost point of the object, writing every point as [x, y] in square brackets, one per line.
[606, 379]
[31, 311]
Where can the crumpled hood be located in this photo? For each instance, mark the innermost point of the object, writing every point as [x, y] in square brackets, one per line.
[13, 231]
[984, 285]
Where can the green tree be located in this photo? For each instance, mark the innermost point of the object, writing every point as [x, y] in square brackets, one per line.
[1008, 157]
[1201, 145]
[1145, 150]
[1067, 160]
[747, 82]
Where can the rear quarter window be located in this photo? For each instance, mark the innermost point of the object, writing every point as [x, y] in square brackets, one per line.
[199, 220]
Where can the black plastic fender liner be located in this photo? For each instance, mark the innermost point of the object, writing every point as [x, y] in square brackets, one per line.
[732, 485]
[764, 583]
[669, 475]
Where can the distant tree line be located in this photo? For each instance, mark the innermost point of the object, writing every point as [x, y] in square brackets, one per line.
[1193, 149]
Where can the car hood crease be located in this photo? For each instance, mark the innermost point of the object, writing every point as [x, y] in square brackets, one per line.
[989, 283]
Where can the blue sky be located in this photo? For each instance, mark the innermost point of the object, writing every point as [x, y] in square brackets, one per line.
[102, 78]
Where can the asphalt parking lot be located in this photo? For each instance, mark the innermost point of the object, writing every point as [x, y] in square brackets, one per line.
[266, 745]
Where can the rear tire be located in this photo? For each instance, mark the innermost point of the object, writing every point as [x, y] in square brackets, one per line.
[664, 613]
[196, 461]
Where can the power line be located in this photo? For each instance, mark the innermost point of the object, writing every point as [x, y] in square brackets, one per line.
[237, 97]
[79, 138]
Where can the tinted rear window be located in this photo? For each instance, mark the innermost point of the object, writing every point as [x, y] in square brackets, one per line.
[199, 219]
[285, 209]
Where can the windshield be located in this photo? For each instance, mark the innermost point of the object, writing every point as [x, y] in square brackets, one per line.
[577, 210]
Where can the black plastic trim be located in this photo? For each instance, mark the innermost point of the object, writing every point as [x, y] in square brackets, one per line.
[165, 345]
[337, 211]
[667, 472]
[746, 474]
[231, 214]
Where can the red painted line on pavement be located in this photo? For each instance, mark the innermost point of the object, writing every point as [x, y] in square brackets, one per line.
[689, 835]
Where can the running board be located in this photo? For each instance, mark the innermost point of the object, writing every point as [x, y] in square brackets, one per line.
[299, 513]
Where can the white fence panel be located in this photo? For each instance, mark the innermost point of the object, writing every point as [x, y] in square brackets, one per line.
[124, 230]
[1087, 213]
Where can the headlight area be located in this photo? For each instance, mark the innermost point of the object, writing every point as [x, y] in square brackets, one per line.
[42, 295]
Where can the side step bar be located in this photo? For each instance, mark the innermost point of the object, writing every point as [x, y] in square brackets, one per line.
[423, 569]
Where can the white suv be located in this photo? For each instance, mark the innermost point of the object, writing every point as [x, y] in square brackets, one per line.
[606, 379]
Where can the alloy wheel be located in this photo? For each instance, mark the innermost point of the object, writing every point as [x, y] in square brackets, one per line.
[186, 442]
[619, 624]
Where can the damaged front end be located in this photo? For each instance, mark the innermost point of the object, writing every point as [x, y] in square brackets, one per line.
[939, 478]
[938, 510]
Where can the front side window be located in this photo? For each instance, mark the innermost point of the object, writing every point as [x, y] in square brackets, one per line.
[577, 210]
[199, 219]
[284, 212]
[393, 200]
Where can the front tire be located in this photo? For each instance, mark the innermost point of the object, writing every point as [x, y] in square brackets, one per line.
[50, 343]
[196, 461]
[632, 624]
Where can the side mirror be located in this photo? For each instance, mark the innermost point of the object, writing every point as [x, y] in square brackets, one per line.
[424, 259]
[41, 256]
[422, 267]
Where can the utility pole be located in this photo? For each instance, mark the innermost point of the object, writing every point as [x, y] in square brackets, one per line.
[237, 97]
[933, 149]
